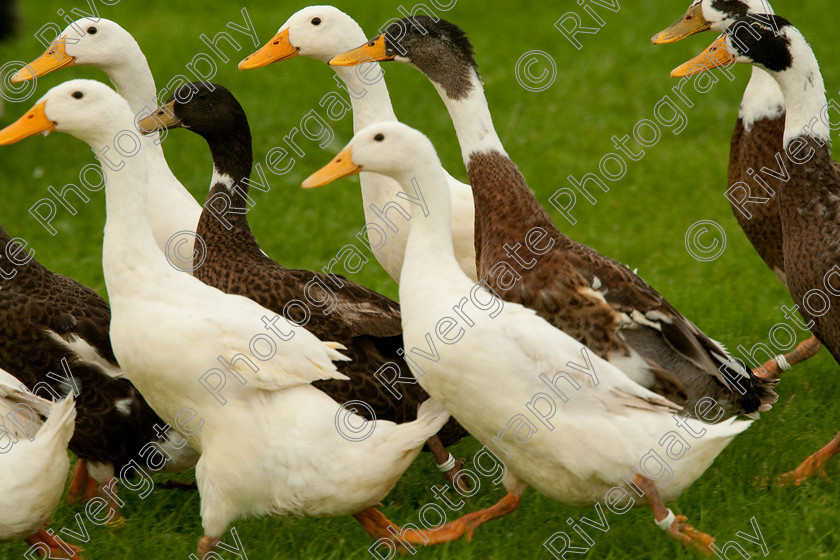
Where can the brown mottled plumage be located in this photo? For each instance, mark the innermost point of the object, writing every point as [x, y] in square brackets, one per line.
[755, 149]
[37, 307]
[364, 321]
[810, 217]
[809, 200]
[559, 288]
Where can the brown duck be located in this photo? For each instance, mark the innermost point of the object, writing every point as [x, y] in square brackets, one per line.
[809, 201]
[753, 173]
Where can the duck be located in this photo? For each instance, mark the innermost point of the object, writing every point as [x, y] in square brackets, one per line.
[809, 202]
[502, 355]
[756, 139]
[104, 44]
[601, 303]
[365, 322]
[55, 339]
[598, 301]
[33, 465]
[321, 32]
[270, 442]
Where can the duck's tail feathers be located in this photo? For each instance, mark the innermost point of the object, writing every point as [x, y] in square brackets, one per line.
[431, 416]
[755, 394]
[60, 422]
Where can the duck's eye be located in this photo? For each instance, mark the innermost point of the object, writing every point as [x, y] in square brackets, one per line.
[379, 137]
[91, 30]
[78, 94]
[316, 21]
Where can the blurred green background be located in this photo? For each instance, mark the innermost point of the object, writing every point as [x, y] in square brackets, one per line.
[602, 90]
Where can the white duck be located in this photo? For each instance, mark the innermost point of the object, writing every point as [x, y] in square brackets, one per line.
[321, 32]
[107, 46]
[33, 466]
[489, 368]
[268, 441]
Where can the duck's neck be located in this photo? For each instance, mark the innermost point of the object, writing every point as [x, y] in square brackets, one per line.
[471, 116]
[371, 103]
[133, 79]
[129, 248]
[762, 99]
[505, 208]
[232, 159]
[804, 93]
[430, 239]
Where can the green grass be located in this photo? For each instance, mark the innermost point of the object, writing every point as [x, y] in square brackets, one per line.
[601, 90]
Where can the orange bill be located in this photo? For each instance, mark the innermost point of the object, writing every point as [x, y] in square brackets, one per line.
[162, 119]
[716, 55]
[54, 58]
[32, 122]
[279, 48]
[692, 22]
[372, 50]
[341, 166]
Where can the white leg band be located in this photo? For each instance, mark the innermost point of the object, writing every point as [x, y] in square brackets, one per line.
[666, 523]
[447, 465]
[783, 363]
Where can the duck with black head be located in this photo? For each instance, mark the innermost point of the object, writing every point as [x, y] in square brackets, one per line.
[809, 201]
[756, 139]
[365, 322]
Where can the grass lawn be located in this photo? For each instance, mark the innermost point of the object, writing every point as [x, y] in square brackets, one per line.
[601, 90]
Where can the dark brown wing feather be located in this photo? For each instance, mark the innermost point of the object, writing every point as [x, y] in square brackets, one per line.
[595, 299]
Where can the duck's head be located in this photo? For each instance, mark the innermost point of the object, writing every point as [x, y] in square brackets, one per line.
[86, 109]
[100, 42]
[319, 32]
[389, 148]
[439, 49]
[710, 14]
[205, 108]
[774, 45]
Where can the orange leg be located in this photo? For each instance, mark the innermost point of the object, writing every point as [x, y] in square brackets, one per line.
[773, 369]
[445, 461]
[812, 465]
[81, 484]
[207, 544]
[379, 526]
[375, 523]
[678, 528]
[57, 549]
